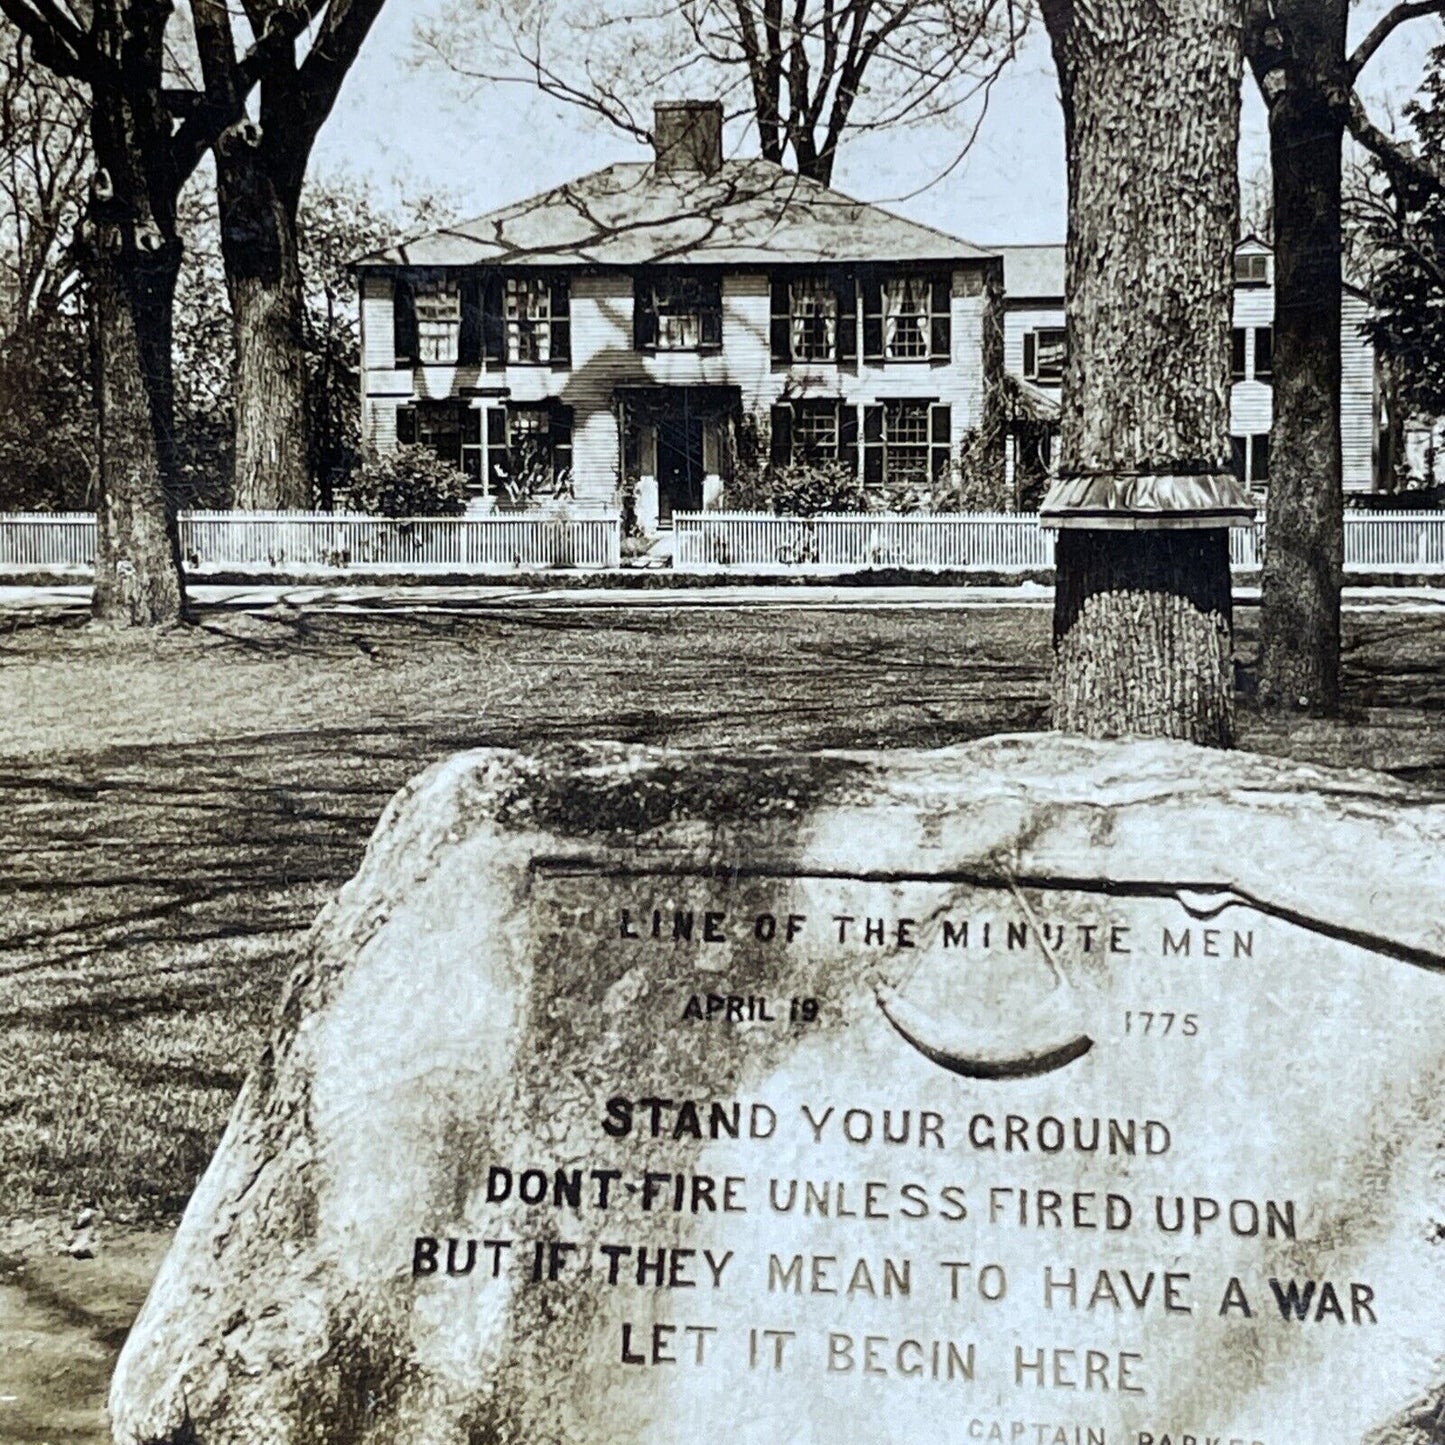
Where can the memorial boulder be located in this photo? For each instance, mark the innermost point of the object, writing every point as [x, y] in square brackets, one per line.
[1036, 1090]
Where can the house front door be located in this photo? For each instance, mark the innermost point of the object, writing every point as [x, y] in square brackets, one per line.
[679, 461]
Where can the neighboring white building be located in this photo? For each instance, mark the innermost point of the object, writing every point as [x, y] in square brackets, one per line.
[649, 325]
[1035, 349]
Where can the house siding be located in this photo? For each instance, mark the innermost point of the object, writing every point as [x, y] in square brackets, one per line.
[1359, 405]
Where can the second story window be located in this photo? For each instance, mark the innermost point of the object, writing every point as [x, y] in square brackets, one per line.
[529, 320]
[438, 320]
[482, 317]
[906, 330]
[907, 318]
[814, 319]
[1046, 350]
[677, 313]
[1263, 353]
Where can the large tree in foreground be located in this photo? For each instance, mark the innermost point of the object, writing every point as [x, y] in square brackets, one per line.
[260, 166]
[806, 74]
[1142, 618]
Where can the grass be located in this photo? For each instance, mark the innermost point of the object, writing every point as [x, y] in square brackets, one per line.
[177, 807]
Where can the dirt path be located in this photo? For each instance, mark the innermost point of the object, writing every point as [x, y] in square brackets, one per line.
[62, 1323]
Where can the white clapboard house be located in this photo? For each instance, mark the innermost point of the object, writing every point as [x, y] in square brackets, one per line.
[650, 324]
[1035, 350]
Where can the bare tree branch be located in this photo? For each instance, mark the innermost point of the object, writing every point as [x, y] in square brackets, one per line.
[1386, 26]
[1398, 157]
[815, 70]
[60, 43]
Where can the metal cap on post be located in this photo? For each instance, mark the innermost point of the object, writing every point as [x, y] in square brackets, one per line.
[1182, 498]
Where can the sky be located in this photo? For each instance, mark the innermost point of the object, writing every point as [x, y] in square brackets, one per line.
[410, 129]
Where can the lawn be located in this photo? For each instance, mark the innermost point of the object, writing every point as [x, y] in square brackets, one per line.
[180, 805]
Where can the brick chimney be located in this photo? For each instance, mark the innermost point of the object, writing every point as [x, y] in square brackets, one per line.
[687, 136]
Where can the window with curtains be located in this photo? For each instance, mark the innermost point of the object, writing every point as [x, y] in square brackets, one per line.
[438, 320]
[907, 321]
[907, 317]
[813, 319]
[528, 309]
[481, 317]
[679, 312]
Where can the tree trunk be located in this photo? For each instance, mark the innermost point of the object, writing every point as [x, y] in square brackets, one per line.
[1142, 622]
[133, 257]
[263, 278]
[138, 573]
[1154, 608]
[1304, 511]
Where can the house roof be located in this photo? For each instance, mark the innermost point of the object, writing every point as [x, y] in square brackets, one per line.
[1032, 270]
[1036, 272]
[749, 212]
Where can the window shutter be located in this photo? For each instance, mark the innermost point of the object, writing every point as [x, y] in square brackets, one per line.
[560, 426]
[1031, 356]
[940, 439]
[1264, 353]
[712, 319]
[941, 319]
[469, 341]
[561, 323]
[848, 436]
[403, 320]
[494, 331]
[782, 327]
[644, 315]
[782, 444]
[847, 294]
[873, 445]
[406, 425]
[1236, 354]
[872, 319]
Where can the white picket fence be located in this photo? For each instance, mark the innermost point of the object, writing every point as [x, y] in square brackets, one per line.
[721, 542]
[307, 541]
[989, 542]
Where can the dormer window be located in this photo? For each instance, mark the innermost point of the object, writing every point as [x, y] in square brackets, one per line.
[438, 320]
[1251, 268]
